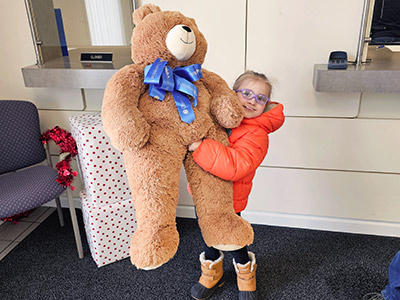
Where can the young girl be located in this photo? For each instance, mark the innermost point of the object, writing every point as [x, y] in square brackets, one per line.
[248, 145]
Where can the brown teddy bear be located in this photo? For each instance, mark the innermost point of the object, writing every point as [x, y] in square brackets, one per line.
[152, 114]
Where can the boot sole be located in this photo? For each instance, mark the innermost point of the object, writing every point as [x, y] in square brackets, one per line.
[217, 286]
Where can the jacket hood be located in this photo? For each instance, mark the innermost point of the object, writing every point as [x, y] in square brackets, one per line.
[271, 120]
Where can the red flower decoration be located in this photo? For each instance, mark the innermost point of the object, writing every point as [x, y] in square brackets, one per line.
[15, 218]
[67, 144]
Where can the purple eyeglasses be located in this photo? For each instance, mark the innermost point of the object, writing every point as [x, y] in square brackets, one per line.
[249, 94]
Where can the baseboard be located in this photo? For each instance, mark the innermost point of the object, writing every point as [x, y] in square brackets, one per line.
[64, 202]
[381, 228]
[182, 211]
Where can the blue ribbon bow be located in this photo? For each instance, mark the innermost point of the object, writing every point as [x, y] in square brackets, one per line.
[162, 78]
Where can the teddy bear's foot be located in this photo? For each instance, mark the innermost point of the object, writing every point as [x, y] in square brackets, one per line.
[150, 249]
[151, 267]
[226, 232]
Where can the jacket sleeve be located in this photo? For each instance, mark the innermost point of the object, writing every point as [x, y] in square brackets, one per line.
[236, 162]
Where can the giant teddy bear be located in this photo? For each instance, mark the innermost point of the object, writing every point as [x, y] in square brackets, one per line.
[152, 110]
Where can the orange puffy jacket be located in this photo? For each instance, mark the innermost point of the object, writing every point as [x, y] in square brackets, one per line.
[248, 145]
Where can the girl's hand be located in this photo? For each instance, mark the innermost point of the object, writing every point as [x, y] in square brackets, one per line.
[194, 145]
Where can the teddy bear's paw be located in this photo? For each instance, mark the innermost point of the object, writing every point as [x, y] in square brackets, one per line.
[131, 137]
[226, 232]
[150, 249]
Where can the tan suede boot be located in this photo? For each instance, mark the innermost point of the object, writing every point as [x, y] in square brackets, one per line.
[211, 277]
[246, 278]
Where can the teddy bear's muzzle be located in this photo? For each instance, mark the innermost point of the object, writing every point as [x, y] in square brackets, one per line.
[181, 42]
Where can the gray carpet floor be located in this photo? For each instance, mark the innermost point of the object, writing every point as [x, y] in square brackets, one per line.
[292, 264]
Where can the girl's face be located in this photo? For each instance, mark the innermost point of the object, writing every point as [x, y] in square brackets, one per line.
[253, 109]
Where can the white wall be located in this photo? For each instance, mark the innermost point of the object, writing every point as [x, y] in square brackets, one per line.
[336, 157]
[285, 39]
[333, 165]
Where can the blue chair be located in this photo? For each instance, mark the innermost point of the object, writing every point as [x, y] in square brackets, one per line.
[26, 184]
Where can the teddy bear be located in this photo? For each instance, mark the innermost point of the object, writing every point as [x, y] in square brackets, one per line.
[152, 110]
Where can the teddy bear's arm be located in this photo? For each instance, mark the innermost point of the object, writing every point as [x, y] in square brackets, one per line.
[122, 120]
[225, 106]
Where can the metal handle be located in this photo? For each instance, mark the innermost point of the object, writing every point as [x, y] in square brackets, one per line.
[365, 26]
[36, 43]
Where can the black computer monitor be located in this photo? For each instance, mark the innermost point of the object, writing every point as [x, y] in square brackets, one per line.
[385, 28]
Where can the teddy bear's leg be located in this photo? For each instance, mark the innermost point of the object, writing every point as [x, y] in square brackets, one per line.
[220, 226]
[153, 176]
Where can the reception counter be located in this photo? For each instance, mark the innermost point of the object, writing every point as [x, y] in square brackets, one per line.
[380, 75]
[69, 72]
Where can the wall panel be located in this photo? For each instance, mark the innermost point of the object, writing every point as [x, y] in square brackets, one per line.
[344, 144]
[383, 106]
[327, 193]
[286, 38]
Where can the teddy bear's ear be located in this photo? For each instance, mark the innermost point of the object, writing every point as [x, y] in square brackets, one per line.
[139, 14]
[193, 21]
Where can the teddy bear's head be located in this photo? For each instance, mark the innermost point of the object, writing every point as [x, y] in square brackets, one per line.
[168, 35]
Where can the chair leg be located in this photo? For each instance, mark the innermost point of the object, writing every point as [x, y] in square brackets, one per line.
[60, 213]
[77, 234]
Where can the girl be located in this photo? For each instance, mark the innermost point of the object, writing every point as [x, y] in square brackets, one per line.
[248, 145]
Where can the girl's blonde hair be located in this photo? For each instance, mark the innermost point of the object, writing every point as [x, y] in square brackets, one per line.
[252, 75]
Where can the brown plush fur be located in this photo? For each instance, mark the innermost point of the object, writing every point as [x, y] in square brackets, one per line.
[154, 143]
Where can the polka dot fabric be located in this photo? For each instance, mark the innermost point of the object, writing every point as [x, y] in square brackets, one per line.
[20, 144]
[27, 189]
[107, 207]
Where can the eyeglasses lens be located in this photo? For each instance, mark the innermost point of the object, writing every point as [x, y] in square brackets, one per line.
[247, 94]
[262, 99]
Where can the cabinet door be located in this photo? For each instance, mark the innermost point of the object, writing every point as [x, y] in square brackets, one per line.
[286, 38]
[225, 32]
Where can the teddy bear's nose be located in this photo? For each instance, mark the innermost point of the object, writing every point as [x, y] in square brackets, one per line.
[187, 28]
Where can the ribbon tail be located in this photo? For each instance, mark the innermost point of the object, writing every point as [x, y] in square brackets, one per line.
[184, 107]
[167, 78]
[186, 87]
[156, 92]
